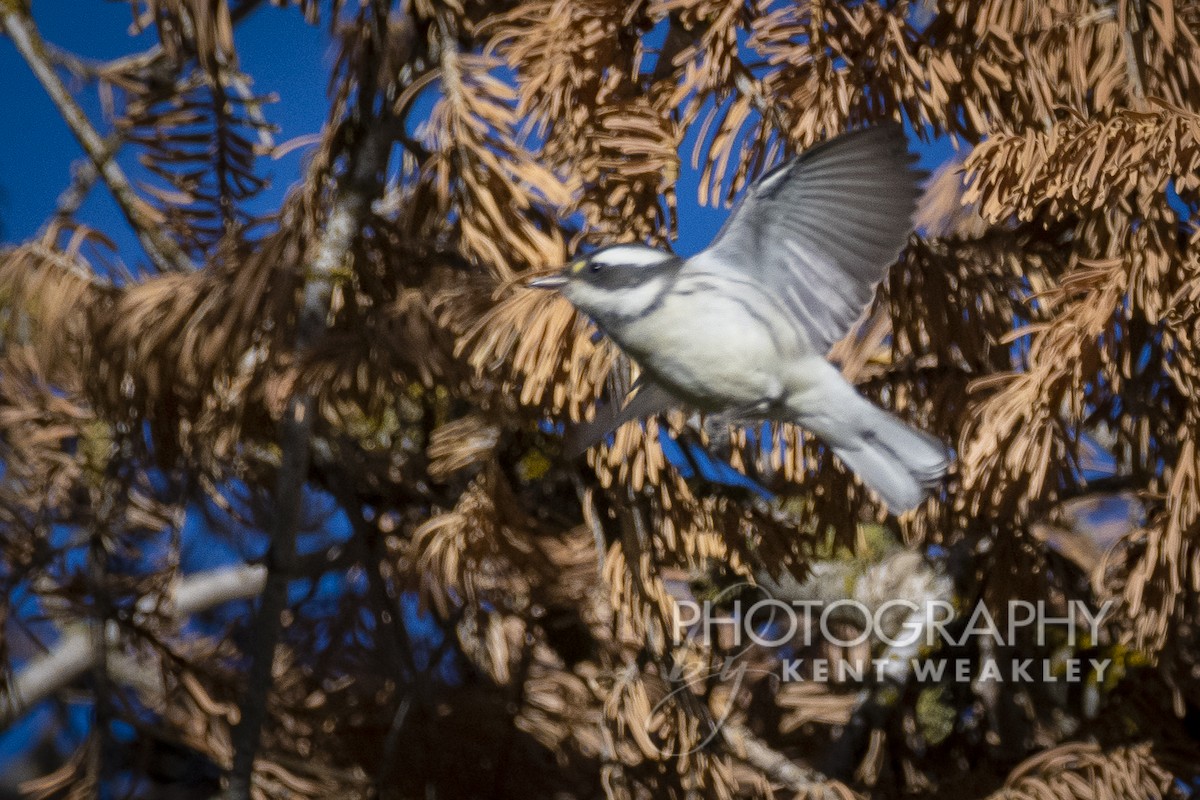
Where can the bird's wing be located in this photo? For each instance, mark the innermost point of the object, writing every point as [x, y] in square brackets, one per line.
[819, 232]
[646, 398]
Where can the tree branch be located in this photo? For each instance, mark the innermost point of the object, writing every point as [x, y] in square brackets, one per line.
[775, 765]
[164, 252]
[77, 650]
[356, 190]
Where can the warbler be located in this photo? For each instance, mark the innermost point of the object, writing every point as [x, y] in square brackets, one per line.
[743, 327]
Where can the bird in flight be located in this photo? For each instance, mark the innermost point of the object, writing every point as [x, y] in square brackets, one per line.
[742, 328]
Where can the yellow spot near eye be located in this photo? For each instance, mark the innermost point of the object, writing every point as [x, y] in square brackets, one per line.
[577, 267]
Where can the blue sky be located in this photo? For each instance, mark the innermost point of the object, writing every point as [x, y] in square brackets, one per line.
[283, 54]
[285, 57]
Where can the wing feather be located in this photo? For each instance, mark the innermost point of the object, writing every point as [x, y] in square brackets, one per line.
[821, 230]
[645, 399]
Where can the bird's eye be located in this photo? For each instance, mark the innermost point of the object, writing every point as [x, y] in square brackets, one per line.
[594, 267]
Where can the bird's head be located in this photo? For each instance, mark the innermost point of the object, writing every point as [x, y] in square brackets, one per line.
[622, 280]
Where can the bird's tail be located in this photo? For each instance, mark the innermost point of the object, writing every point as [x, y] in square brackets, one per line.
[900, 463]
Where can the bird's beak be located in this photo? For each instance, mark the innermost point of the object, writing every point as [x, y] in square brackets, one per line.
[554, 281]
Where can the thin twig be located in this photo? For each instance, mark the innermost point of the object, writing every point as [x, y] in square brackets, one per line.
[587, 503]
[91, 69]
[84, 175]
[164, 252]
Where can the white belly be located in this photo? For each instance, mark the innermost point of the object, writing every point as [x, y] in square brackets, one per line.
[716, 353]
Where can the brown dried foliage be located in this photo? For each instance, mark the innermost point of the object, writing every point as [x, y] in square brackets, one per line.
[1050, 298]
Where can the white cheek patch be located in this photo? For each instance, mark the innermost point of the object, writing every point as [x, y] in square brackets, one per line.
[639, 298]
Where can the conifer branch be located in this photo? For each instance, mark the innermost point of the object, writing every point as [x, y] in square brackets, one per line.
[357, 189]
[162, 251]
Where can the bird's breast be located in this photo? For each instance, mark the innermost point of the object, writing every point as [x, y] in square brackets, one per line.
[713, 350]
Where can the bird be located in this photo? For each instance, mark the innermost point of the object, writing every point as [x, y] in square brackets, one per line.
[743, 327]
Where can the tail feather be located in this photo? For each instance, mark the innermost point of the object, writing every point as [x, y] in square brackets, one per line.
[900, 463]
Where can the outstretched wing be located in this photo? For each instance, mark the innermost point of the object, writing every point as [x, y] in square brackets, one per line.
[819, 232]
